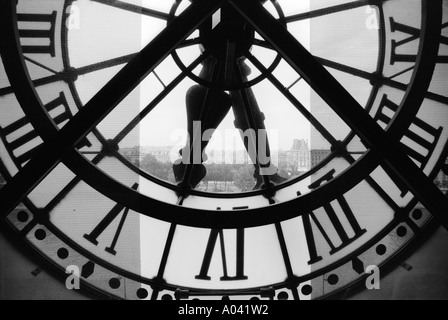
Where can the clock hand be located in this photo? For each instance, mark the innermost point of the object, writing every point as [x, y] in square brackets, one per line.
[206, 108]
[394, 158]
[248, 116]
[55, 148]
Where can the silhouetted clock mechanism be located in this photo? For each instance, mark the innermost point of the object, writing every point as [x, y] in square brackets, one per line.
[90, 92]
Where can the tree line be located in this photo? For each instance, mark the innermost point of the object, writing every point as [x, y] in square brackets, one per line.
[239, 175]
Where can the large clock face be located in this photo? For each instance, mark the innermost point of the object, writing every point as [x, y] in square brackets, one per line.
[149, 143]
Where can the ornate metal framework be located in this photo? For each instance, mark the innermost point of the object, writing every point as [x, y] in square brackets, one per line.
[61, 145]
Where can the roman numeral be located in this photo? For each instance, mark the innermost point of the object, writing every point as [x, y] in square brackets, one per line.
[105, 223]
[426, 142]
[413, 34]
[17, 141]
[40, 40]
[214, 234]
[342, 232]
[419, 145]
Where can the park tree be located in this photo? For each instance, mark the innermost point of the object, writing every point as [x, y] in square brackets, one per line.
[213, 175]
[156, 168]
[244, 178]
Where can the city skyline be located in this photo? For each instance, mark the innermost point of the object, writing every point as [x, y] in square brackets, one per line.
[299, 156]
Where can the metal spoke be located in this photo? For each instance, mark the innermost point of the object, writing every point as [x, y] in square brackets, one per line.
[401, 72]
[40, 65]
[346, 69]
[104, 64]
[146, 111]
[403, 87]
[69, 187]
[379, 80]
[205, 109]
[297, 104]
[73, 73]
[250, 118]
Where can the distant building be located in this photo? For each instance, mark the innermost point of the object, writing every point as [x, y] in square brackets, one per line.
[296, 159]
[442, 178]
[319, 155]
[227, 157]
[137, 154]
[161, 154]
[134, 155]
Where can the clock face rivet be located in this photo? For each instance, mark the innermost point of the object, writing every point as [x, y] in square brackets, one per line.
[114, 283]
[333, 279]
[142, 293]
[22, 216]
[381, 249]
[63, 253]
[417, 214]
[40, 234]
[283, 296]
[402, 231]
[307, 290]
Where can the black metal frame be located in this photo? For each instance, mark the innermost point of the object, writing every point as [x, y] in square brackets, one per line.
[342, 102]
